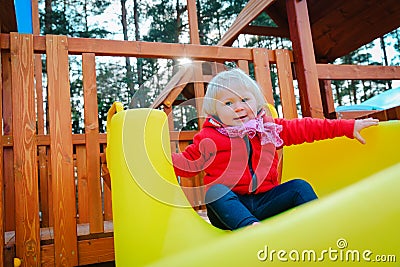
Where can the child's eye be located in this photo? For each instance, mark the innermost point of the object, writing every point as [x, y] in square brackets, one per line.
[245, 99]
[228, 103]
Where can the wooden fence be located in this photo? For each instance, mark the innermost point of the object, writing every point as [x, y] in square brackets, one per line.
[56, 204]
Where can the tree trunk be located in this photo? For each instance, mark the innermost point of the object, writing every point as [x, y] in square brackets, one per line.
[85, 16]
[139, 65]
[385, 58]
[128, 66]
[47, 21]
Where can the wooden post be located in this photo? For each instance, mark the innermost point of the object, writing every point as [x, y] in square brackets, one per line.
[82, 173]
[193, 25]
[92, 142]
[262, 73]
[285, 80]
[25, 154]
[63, 184]
[243, 65]
[1, 170]
[303, 50]
[198, 73]
[8, 152]
[199, 92]
[327, 99]
[43, 167]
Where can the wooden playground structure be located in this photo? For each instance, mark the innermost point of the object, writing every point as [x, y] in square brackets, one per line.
[56, 204]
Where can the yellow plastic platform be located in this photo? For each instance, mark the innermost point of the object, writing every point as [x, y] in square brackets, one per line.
[355, 222]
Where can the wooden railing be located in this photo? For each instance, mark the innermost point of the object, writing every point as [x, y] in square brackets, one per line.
[57, 200]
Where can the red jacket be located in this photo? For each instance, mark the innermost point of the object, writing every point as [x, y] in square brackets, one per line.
[225, 160]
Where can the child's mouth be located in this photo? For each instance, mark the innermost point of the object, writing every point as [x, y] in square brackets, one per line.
[241, 118]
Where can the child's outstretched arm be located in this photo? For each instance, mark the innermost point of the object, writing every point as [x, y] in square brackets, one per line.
[361, 124]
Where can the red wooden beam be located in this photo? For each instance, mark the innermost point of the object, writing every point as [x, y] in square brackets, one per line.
[251, 11]
[305, 65]
[357, 72]
[1, 175]
[193, 25]
[266, 31]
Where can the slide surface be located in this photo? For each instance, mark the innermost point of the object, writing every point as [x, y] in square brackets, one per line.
[355, 222]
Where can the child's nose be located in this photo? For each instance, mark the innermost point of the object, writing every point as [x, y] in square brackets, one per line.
[238, 108]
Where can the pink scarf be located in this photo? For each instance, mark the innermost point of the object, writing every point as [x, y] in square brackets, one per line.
[268, 131]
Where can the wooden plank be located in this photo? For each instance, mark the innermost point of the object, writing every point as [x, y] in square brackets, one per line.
[199, 92]
[105, 173]
[199, 191]
[251, 11]
[394, 113]
[305, 65]
[83, 194]
[244, 65]
[285, 80]
[193, 25]
[262, 73]
[90, 252]
[173, 94]
[275, 13]
[102, 47]
[8, 21]
[107, 202]
[356, 114]
[192, 187]
[170, 116]
[174, 87]
[64, 211]
[266, 31]
[381, 115]
[1, 172]
[324, 19]
[35, 17]
[42, 154]
[320, 11]
[44, 186]
[44, 140]
[327, 99]
[49, 186]
[25, 153]
[92, 142]
[357, 72]
[154, 50]
[96, 250]
[376, 17]
[8, 154]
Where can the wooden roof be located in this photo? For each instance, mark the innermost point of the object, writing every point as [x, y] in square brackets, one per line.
[8, 22]
[338, 27]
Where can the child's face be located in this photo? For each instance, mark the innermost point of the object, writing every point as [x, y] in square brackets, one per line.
[235, 108]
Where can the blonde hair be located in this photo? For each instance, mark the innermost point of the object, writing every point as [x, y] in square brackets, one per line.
[235, 80]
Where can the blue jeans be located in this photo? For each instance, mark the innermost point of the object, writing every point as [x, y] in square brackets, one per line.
[228, 210]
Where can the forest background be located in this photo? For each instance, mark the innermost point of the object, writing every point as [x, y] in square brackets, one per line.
[124, 79]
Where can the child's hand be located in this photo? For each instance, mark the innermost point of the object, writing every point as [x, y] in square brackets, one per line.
[361, 124]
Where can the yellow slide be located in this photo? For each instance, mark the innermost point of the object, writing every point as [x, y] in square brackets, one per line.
[356, 221]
